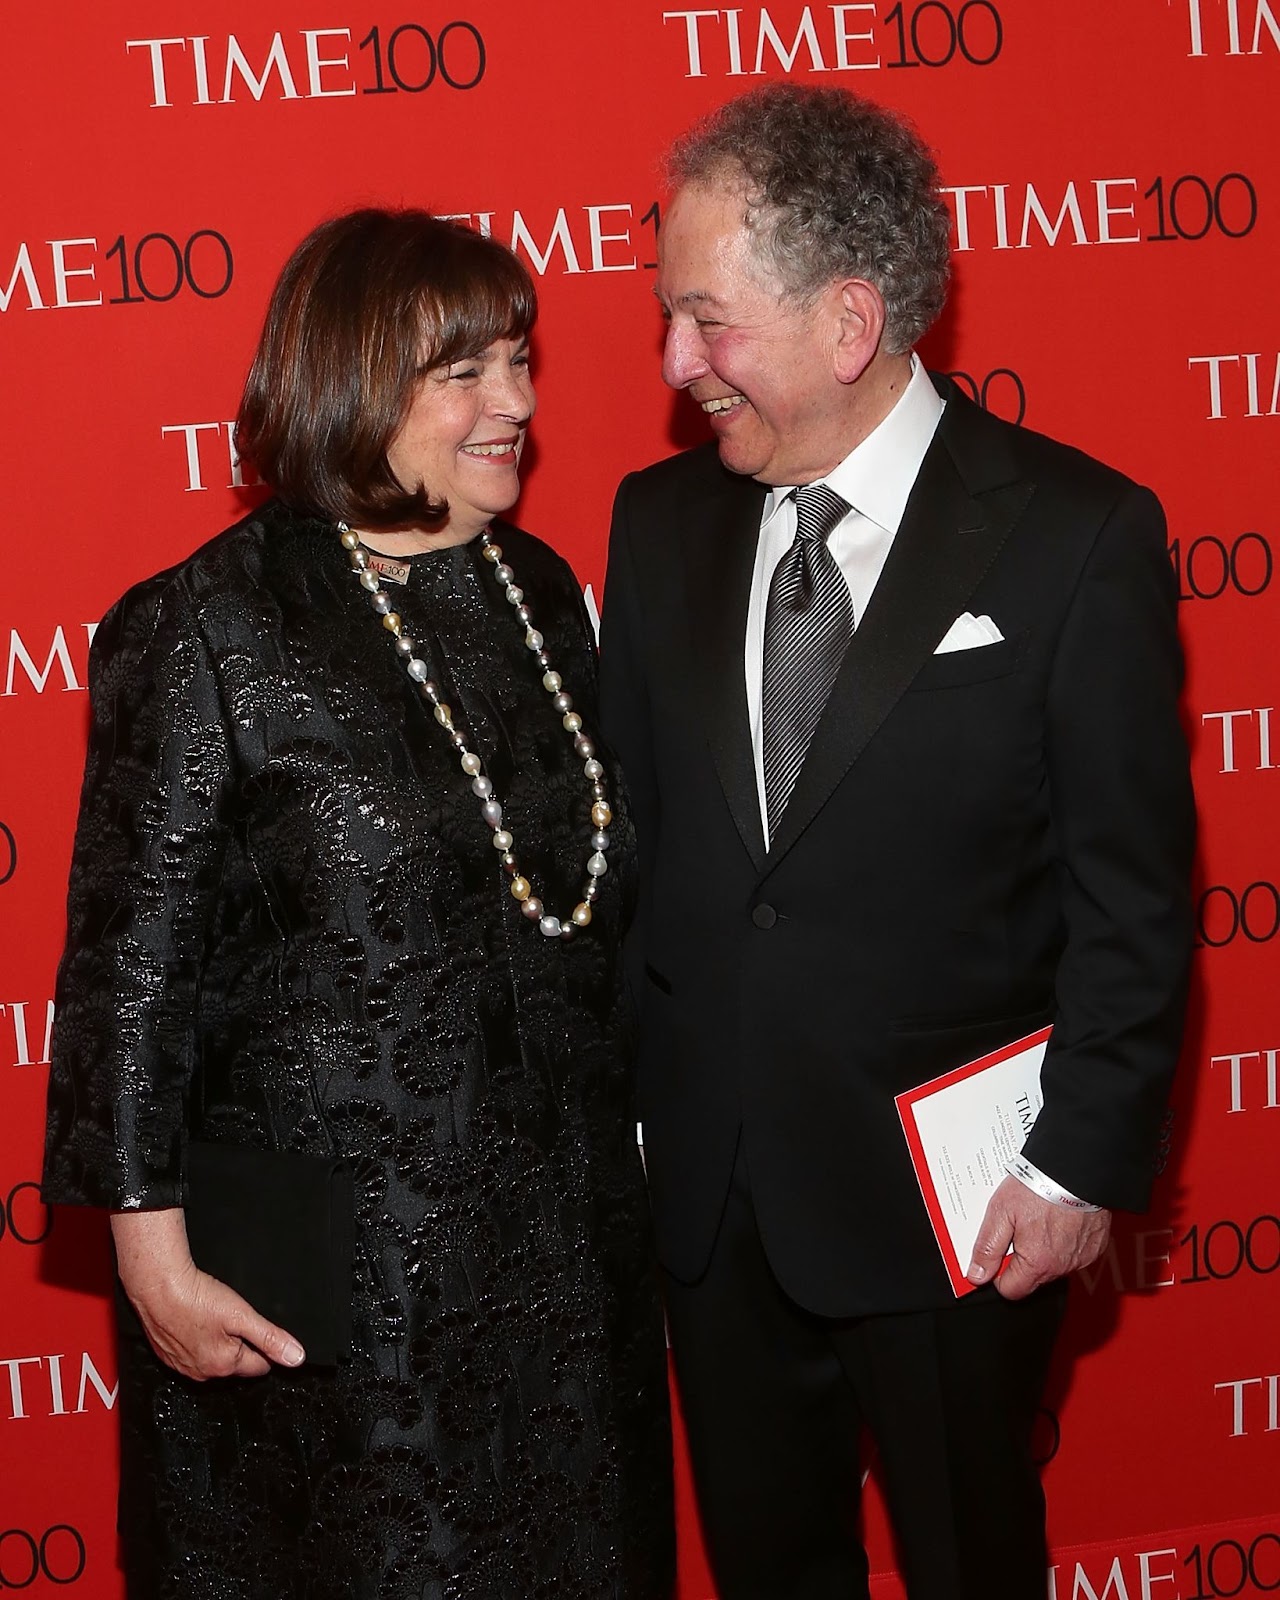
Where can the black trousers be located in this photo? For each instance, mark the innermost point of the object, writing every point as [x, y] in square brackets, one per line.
[776, 1399]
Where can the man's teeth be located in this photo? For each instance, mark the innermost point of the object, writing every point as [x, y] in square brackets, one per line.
[726, 403]
[487, 449]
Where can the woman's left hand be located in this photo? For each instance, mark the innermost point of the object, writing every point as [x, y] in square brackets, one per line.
[195, 1323]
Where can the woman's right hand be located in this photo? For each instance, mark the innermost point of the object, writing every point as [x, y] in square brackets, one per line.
[195, 1323]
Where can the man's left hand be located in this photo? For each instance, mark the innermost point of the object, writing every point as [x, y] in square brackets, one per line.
[1048, 1240]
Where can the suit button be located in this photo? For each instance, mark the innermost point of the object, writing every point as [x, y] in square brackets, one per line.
[763, 916]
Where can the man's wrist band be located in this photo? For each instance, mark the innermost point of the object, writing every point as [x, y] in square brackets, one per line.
[1046, 1188]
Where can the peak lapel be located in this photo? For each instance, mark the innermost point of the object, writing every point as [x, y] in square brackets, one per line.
[721, 558]
[946, 542]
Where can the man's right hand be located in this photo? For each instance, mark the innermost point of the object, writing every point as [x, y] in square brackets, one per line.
[195, 1323]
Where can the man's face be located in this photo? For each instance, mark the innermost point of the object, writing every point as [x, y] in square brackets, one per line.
[758, 362]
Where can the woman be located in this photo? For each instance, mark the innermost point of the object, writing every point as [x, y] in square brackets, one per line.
[349, 882]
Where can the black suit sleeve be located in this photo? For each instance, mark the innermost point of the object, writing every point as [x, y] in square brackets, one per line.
[624, 699]
[144, 873]
[625, 717]
[1123, 820]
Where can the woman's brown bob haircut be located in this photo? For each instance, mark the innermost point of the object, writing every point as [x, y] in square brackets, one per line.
[364, 306]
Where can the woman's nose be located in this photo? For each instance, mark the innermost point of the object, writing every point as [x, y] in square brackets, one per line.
[513, 397]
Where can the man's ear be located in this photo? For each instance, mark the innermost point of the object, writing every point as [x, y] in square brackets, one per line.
[858, 307]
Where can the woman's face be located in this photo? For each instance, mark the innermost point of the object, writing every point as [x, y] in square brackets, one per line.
[462, 437]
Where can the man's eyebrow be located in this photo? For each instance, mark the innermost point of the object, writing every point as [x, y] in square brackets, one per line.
[695, 297]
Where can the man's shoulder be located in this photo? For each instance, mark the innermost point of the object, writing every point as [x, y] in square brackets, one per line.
[975, 434]
[1051, 460]
[695, 471]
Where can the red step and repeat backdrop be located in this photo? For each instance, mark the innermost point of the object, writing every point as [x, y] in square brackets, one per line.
[1114, 172]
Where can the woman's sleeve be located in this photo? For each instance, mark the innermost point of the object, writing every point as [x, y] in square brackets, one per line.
[145, 872]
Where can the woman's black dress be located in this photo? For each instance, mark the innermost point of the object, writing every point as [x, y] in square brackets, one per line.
[288, 928]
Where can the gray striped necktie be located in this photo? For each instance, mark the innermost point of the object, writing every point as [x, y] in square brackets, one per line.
[807, 627]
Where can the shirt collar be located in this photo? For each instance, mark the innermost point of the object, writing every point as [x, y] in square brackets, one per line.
[876, 477]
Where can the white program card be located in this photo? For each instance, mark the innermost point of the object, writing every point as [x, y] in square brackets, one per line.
[961, 1129]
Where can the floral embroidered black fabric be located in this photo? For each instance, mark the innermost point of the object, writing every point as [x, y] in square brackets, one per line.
[288, 928]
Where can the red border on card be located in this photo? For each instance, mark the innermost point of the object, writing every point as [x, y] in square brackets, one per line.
[906, 1102]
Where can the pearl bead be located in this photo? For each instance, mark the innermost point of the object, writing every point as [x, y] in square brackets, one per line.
[482, 787]
[382, 603]
[391, 619]
[503, 574]
[590, 890]
[582, 914]
[405, 646]
[508, 860]
[572, 722]
[350, 539]
[417, 669]
[551, 682]
[542, 658]
[471, 764]
[459, 741]
[533, 639]
[584, 747]
[597, 866]
[444, 716]
[532, 908]
[503, 839]
[514, 594]
[492, 552]
[549, 927]
[524, 614]
[491, 811]
[600, 840]
[359, 559]
[371, 581]
[563, 702]
[592, 768]
[432, 690]
[521, 888]
[601, 814]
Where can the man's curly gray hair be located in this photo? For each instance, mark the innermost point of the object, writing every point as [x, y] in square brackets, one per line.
[835, 187]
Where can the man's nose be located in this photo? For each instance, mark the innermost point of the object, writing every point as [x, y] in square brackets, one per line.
[683, 356]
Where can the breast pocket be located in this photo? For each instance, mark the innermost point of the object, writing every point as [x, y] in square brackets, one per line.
[957, 668]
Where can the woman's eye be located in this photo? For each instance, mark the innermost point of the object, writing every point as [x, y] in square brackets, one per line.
[467, 372]
[522, 360]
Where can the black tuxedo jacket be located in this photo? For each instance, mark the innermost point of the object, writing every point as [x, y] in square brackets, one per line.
[978, 843]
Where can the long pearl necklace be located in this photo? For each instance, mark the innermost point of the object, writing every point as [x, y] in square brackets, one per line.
[551, 927]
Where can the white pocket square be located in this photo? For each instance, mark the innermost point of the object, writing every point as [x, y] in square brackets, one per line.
[968, 632]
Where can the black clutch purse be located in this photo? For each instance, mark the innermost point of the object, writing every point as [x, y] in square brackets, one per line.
[280, 1230]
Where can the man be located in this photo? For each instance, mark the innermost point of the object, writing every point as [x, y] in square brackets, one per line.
[909, 783]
